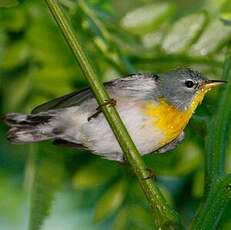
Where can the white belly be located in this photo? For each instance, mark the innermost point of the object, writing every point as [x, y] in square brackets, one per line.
[99, 138]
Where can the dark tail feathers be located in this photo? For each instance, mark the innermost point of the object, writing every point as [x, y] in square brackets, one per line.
[26, 120]
[26, 128]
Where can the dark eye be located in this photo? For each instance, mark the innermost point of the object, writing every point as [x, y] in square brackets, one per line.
[189, 84]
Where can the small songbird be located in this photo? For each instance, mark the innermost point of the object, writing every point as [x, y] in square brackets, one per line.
[155, 109]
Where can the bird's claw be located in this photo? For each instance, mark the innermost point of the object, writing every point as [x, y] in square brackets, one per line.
[151, 176]
[111, 102]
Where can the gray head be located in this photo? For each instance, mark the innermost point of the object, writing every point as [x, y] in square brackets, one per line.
[179, 87]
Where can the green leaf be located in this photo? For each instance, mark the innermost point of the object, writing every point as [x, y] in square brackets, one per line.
[3, 39]
[47, 45]
[225, 14]
[146, 18]
[13, 199]
[110, 201]
[228, 159]
[198, 184]
[48, 175]
[153, 39]
[141, 216]
[122, 220]
[190, 159]
[59, 77]
[226, 18]
[15, 92]
[183, 32]
[110, 74]
[92, 175]
[8, 3]
[12, 19]
[132, 216]
[167, 195]
[186, 158]
[213, 38]
[16, 54]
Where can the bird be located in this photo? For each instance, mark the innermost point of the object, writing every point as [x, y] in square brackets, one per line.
[155, 109]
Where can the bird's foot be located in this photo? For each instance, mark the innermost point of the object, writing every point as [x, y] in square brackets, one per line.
[151, 176]
[111, 102]
[124, 163]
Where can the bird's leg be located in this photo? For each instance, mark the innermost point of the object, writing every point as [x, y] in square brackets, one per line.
[111, 102]
[151, 176]
[127, 165]
[124, 163]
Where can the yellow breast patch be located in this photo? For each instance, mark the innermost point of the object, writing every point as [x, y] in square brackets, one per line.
[168, 118]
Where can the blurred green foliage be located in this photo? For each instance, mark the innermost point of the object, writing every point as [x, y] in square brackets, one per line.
[120, 37]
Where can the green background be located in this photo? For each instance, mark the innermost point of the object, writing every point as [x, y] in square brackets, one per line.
[77, 189]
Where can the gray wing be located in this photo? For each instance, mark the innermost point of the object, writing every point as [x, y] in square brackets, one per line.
[139, 85]
[172, 145]
[68, 100]
[68, 144]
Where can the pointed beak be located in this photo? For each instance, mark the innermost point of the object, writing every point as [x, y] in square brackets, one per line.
[212, 83]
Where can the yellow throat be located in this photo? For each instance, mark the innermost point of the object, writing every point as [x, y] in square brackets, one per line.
[169, 119]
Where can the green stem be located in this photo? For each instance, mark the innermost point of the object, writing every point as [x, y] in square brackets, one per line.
[218, 129]
[165, 217]
[217, 186]
[214, 205]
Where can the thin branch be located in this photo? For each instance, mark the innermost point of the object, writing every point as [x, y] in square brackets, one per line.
[213, 206]
[165, 217]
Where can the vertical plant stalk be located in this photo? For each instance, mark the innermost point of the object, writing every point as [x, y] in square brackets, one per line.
[165, 217]
[217, 189]
[218, 129]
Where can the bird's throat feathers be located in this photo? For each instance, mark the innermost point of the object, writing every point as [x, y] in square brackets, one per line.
[197, 100]
[170, 120]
